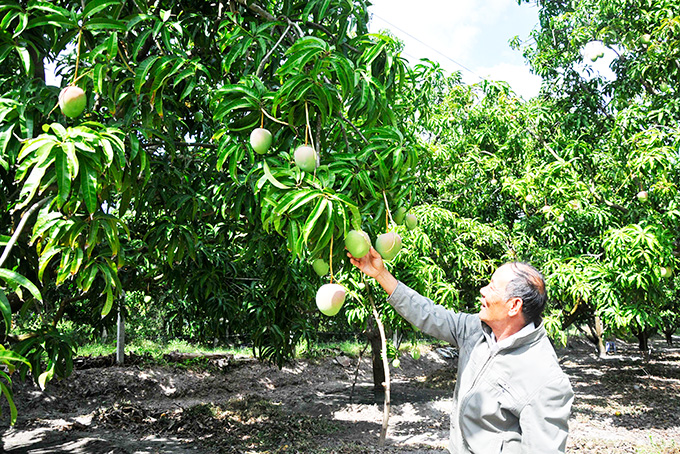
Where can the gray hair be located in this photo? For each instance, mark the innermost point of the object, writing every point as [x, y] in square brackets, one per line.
[528, 285]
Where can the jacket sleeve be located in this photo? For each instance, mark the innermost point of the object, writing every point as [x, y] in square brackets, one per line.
[544, 420]
[431, 318]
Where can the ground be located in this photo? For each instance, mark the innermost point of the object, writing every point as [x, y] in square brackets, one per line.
[238, 405]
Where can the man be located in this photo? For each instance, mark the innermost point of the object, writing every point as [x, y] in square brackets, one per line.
[511, 395]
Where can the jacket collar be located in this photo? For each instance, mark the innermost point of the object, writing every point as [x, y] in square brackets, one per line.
[522, 337]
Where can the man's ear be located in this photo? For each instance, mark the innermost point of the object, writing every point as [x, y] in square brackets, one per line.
[515, 306]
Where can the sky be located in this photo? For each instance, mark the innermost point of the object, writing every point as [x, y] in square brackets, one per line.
[473, 34]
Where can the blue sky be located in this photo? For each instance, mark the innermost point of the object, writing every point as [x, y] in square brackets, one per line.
[473, 33]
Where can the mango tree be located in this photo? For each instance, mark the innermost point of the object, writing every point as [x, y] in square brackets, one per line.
[157, 189]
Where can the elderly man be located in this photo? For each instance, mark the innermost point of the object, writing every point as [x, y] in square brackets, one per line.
[511, 395]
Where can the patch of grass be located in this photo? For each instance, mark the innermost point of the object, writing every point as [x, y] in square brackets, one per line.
[156, 350]
[660, 447]
[350, 348]
[96, 349]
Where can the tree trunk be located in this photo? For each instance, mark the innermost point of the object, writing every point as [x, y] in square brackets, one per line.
[668, 334]
[385, 371]
[593, 335]
[643, 344]
[642, 335]
[599, 330]
[120, 340]
[378, 368]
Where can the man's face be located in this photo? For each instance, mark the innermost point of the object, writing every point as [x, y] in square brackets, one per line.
[495, 307]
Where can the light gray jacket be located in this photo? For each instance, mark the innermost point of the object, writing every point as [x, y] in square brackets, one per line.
[510, 396]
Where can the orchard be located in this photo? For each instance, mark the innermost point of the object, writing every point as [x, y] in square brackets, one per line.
[201, 170]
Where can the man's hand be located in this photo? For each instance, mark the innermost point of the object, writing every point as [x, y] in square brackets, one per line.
[372, 265]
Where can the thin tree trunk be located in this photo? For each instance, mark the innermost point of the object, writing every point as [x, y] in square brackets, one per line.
[642, 335]
[376, 359]
[669, 336]
[599, 330]
[386, 369]
[120, 339]
[643, 344]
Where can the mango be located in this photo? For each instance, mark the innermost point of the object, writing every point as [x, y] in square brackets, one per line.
[358, 243]
[305, 158]
[321, 267]
[260, 140]
[388, 245]
[411, 221]
[330, 298]
[399, 215]
[72, 101]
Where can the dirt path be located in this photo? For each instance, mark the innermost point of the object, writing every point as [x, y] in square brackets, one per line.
[241, 406]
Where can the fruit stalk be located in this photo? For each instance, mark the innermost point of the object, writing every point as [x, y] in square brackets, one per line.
[330, 260]
[75, 73]
[387, 212]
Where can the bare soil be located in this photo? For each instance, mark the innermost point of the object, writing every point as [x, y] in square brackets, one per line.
[238, 405]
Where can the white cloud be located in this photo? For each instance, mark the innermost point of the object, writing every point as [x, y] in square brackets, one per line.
[467, 35]
[520, 78]
[597, 60]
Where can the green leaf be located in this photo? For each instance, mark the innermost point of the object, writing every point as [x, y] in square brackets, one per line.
[5, 137]
[88, 277]
[25, 58]
[21, 26]
[7, 356]
[111, 231]
[99, 75]
[95, 6]
[139, 43]
[56, 20]
[63, 177]
[10, 401]
[143, 72]
[223, 109]
[17, 279]
[226, 149]
[294, 200]
[316, 213]
[45, 377]
[6, 310]
[109, 301]
[134, 145]
[45, 259]
[88, 186]
[33, 182]
[270, 177]
[234, 160]
[69, 149]
[104, 24]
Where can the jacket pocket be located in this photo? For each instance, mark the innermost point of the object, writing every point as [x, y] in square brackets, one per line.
[509, 398]
[511, 447]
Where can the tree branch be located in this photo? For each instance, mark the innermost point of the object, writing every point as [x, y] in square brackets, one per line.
[19, 228]
[64, 303]
[323, 29]
[354, 127]
[260, 67]
[257, 9]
